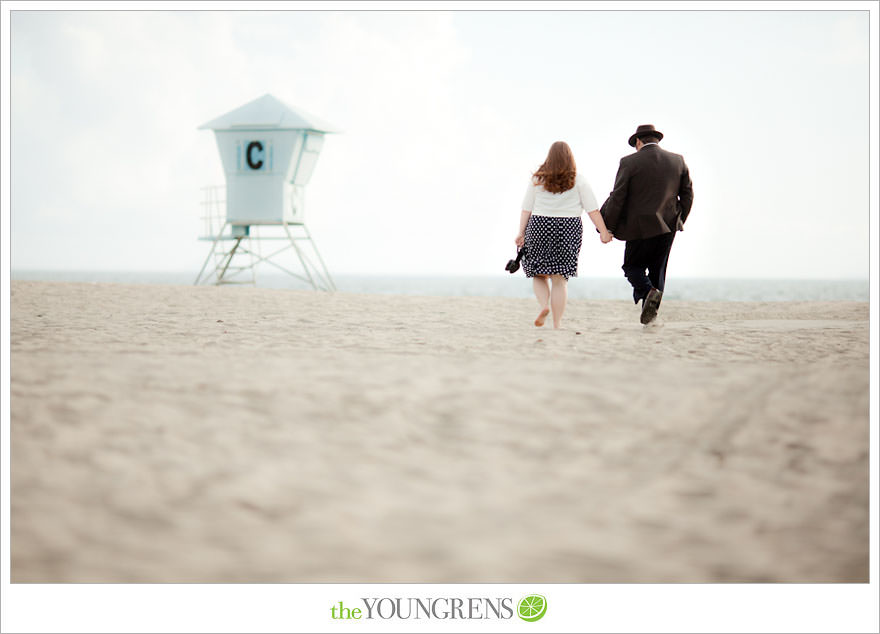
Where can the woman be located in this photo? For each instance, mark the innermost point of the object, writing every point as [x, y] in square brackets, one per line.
[551, 229]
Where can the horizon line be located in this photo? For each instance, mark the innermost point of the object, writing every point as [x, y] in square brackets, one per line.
[443, 275]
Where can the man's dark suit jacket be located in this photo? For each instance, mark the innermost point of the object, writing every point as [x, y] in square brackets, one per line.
[652, 195]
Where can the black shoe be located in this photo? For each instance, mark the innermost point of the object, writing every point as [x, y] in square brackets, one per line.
[650, 305]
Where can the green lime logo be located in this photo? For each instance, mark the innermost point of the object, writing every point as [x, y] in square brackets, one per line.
[532, 607]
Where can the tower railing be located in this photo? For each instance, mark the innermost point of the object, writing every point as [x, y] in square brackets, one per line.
[213, 211]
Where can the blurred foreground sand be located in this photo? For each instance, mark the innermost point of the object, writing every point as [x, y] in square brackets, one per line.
[179, 434]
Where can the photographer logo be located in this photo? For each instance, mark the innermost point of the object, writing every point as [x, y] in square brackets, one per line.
[532, 607]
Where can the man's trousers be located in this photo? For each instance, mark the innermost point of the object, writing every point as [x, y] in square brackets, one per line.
[647, 255]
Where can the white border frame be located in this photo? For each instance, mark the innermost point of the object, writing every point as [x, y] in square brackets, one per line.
[305, 607]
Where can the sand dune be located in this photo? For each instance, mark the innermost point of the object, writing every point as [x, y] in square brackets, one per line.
[178, 434]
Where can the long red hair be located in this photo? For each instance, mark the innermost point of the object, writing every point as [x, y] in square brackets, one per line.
[557, 172]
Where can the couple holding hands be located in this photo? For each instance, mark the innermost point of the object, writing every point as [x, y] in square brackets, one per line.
[651, 200]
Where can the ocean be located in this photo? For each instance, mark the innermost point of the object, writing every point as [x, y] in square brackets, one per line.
[506, 285]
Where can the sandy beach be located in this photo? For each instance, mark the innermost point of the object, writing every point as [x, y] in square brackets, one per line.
[181, 434]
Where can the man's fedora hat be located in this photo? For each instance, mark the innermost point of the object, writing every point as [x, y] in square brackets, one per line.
[645, 130]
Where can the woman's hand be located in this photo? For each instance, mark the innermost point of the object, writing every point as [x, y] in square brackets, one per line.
[520, 240]
[604, 235]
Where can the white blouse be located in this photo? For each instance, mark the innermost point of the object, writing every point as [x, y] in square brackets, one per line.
[569, 203]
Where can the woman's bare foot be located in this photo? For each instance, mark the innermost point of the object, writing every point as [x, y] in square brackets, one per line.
[542, 317]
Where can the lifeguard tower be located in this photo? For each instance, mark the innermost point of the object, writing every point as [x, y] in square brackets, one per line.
[269, 151]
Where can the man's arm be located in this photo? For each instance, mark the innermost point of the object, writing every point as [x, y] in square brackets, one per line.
[613, 207]
[685, 192]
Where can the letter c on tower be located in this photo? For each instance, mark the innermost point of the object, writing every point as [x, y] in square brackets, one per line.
[254, 145]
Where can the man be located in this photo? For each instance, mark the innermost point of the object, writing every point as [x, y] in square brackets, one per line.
[651, 200]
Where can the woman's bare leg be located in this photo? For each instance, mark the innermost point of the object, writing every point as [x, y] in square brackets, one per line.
[558, 298]
[542, 292]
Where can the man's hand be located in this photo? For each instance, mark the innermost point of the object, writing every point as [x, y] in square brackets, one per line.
[605, 236]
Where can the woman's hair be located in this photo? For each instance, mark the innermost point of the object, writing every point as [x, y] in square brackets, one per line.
[557, 172]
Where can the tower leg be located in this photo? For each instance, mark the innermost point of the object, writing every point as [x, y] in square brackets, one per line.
[326, 274]
[300, 255]
[228, 260]
[210, 253]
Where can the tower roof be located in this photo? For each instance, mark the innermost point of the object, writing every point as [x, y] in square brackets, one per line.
[268, 112]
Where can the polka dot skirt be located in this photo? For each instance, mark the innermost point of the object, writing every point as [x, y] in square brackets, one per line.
[552, 246]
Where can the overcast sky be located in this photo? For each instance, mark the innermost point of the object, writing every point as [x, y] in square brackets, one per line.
[443, 118]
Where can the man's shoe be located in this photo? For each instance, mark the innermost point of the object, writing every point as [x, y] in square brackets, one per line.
[650, 306]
